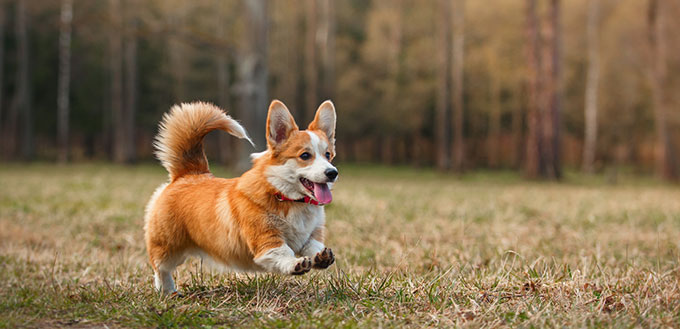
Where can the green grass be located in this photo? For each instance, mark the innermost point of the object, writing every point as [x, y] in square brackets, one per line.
[413, 249]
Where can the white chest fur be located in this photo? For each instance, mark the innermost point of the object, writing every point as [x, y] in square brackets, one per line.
[299, 224]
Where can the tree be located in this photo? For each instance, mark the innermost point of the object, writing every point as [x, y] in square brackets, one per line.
[592, 85]
[22, 100]
[442, 117]
[253, 76]
[382, 54]
[533, 143]
[130, 110]
[2, 71]
[64, 80]
[667, 162]
[458, 52]
[116, 76]
[310, 67]
[494, 149]
[554, 91]
[177, 50]
[223, 86]
[327, 48]
[544, 106]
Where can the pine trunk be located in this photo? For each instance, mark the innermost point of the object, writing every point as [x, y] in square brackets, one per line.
[592, 85]
[223, 88]
[253, 78]
[116, 72]
[327, 48]
[130, 81]
[311, 72]
[22, 101]
[2, 77]
[555, 96]
[64, 80]
[667, 165]
[442, 116]
[494, 124]
[457, 81]
[533, 155]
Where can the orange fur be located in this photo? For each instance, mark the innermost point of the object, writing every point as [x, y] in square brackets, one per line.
[179, 144]
[235, 220]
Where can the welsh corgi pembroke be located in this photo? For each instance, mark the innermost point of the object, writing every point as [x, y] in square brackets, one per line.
[269, 219]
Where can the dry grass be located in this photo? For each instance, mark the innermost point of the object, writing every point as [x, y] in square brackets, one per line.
[413, 250]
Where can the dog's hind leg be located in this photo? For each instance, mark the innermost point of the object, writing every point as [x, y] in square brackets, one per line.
[163, 270]
[164, 262]
[164, 282]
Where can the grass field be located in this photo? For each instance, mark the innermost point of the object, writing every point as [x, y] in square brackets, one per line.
[413, 249]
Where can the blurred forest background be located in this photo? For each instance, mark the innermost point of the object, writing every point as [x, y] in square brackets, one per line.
[531, 85]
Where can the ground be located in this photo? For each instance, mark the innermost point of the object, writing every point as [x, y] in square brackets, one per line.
[413, 249]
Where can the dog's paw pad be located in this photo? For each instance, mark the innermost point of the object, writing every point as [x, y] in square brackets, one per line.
[324, 259]
[302, 266]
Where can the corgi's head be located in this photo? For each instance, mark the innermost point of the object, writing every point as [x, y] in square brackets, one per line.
[298, 162]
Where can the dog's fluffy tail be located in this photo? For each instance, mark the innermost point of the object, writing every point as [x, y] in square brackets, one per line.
[179, 143]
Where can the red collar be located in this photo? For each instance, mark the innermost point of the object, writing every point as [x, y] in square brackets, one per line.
[306, 199]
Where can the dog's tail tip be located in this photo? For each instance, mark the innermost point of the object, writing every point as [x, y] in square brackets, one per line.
[179, 143]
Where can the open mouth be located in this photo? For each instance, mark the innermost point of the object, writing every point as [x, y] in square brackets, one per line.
[307, 184]
[319, 191]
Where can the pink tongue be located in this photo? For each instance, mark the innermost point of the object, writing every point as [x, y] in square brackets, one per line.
[322, 193]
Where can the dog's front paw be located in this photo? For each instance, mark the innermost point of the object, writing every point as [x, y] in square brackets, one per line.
[302, 266]
[324, 259]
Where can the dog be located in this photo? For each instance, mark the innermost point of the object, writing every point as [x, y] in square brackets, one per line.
[270, 219]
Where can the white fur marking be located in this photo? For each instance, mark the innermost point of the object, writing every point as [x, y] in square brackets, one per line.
[163, 282]
[163, 277]
[299, 225]
[257, 155]
[285, 178]
[278, 260]
[312, 248]
[238, 130]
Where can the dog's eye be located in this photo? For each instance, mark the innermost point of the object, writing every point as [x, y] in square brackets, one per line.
[328, 155]
[305, 156]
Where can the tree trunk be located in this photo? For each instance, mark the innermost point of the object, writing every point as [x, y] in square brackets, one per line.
[517, 131]
[223, 88]
[130, 80]
[327, 47]
[592, 85]
[311, 72]
[555, 106]
[533, 153]
[3, 137]
[457, 81]
[64, 80]
[547, 92]
[494, 122]
[667, 165]
[442, 116]
[386, 148]
[253, 78]
[116, 71]
[176, 48]
[22, 101]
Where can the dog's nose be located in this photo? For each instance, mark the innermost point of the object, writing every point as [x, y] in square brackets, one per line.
[331, 173]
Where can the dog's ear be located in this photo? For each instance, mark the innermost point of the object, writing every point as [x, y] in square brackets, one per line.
[324, 120]
[280, 124]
